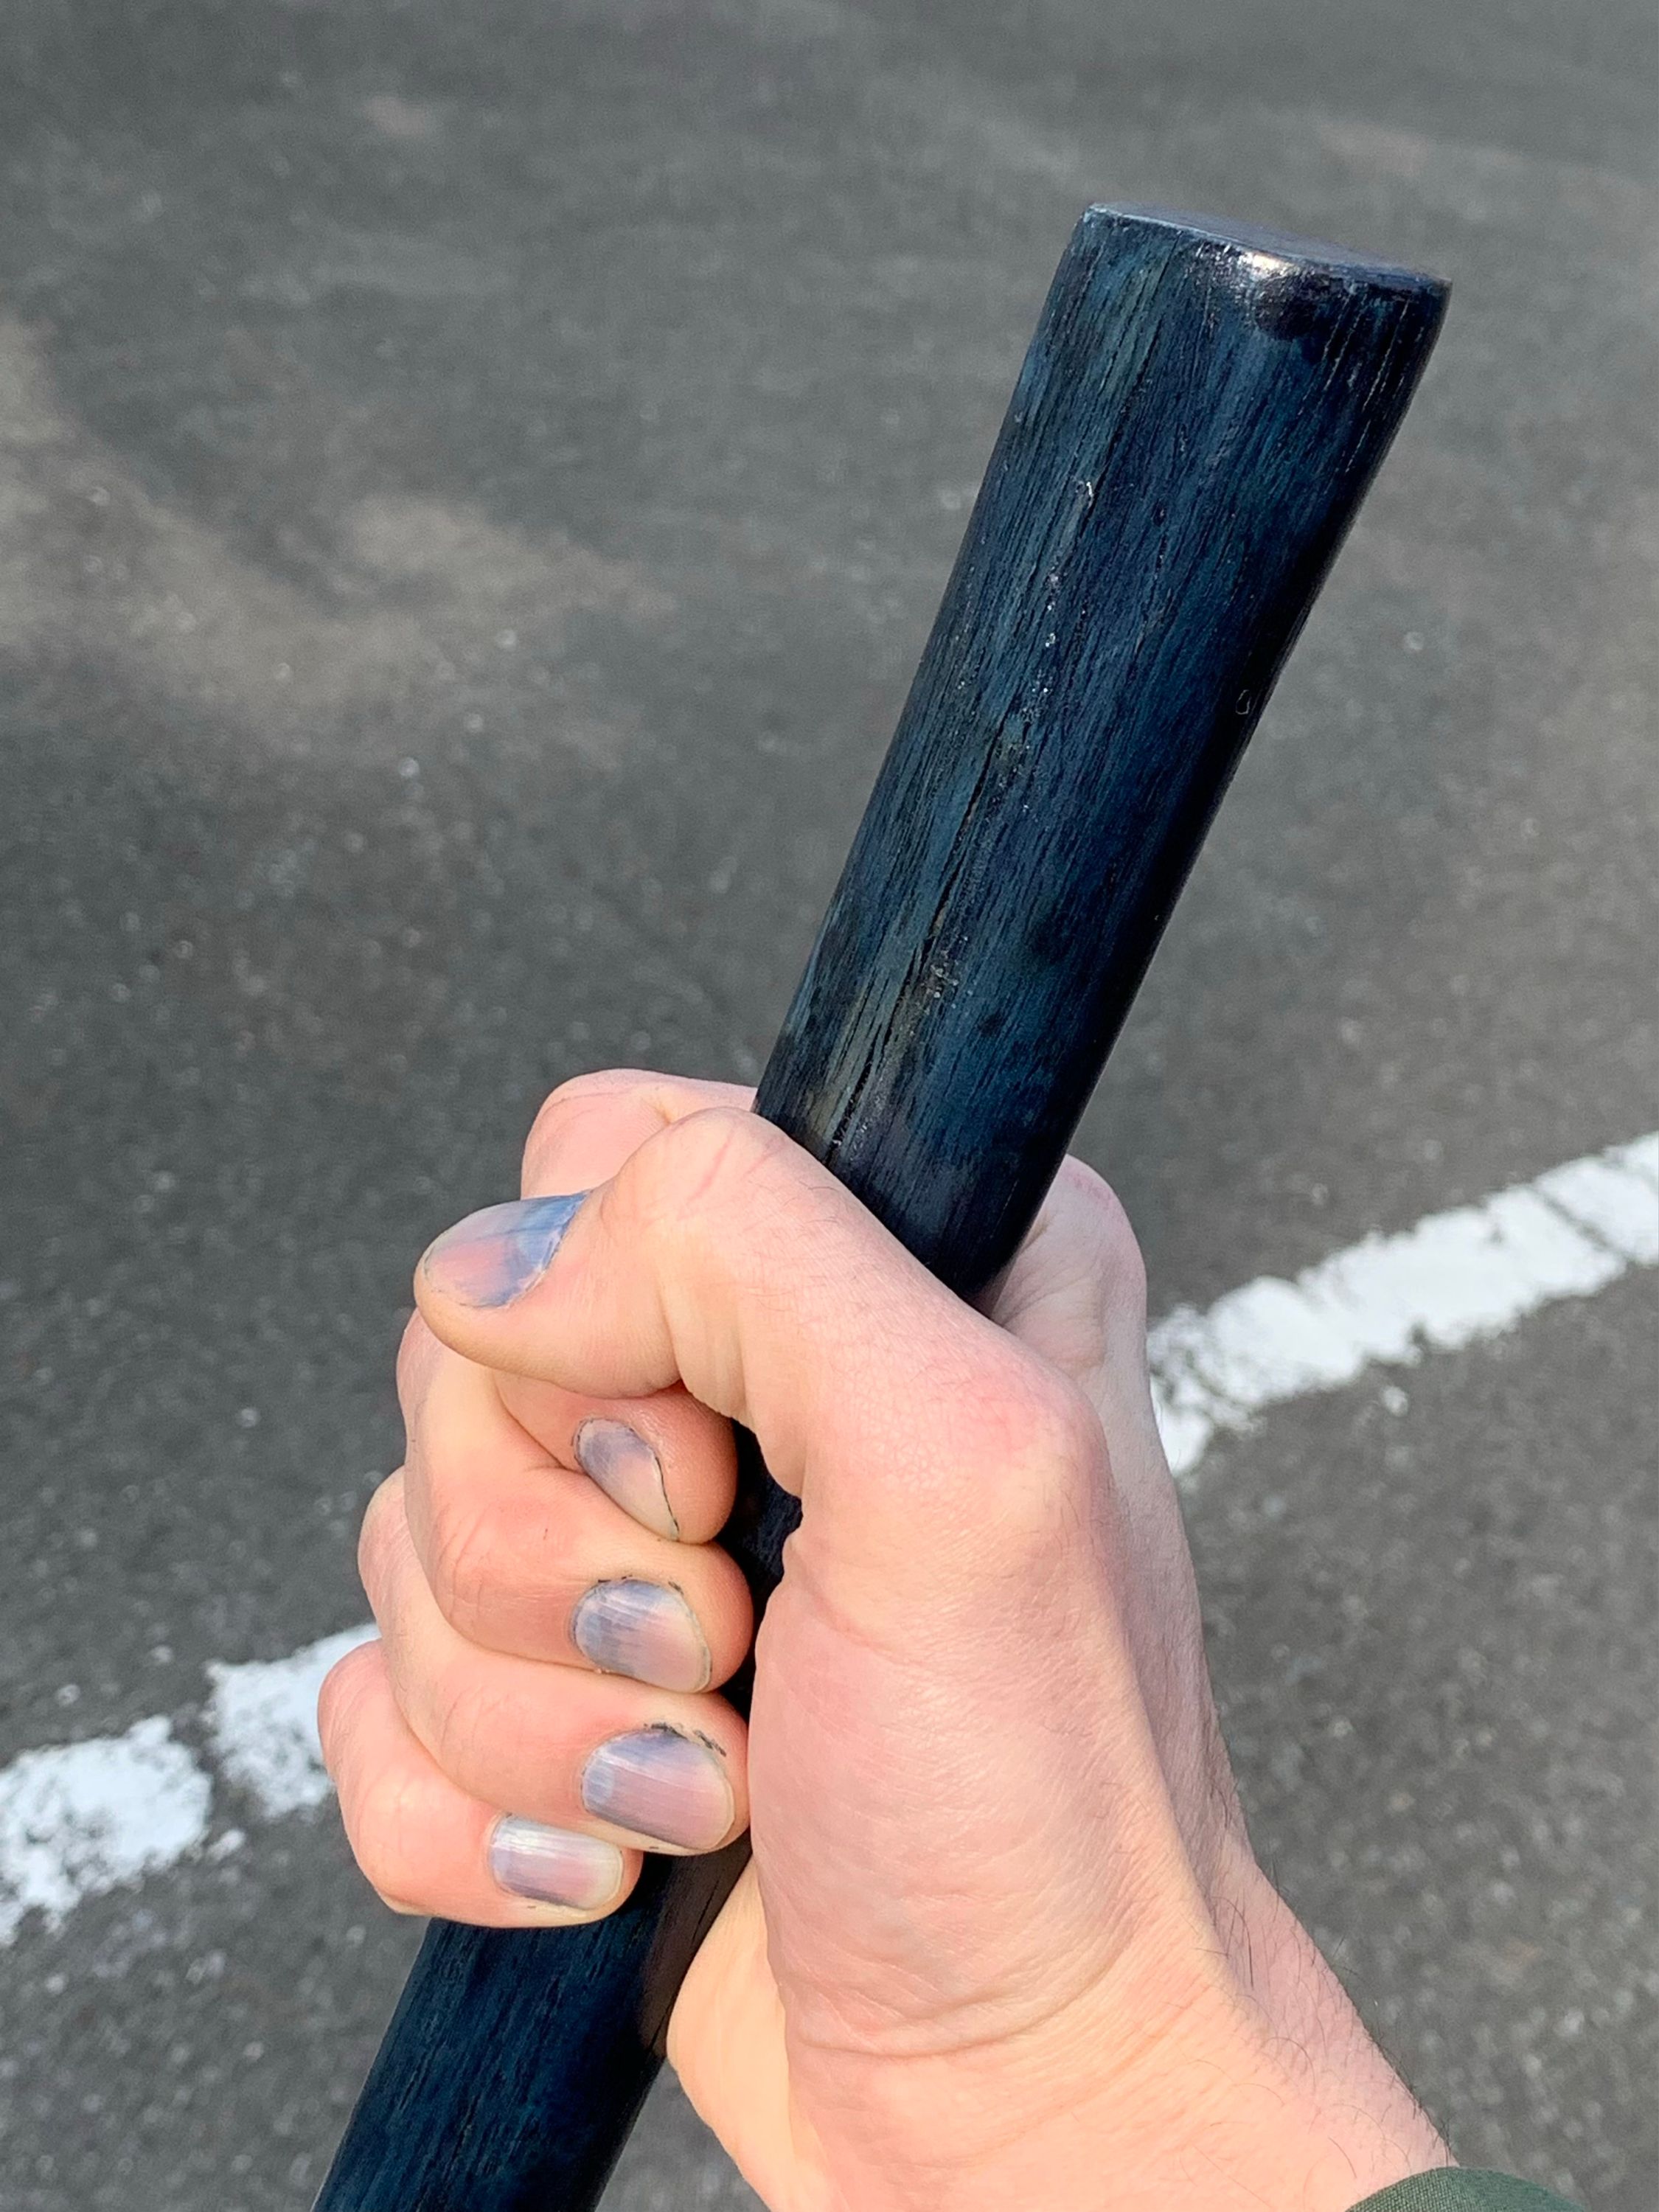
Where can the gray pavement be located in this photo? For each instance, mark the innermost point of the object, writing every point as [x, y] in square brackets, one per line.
[473, 484]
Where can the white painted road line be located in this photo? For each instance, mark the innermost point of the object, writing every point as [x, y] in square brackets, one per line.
[80, 1818]
[1457, 1277]
[262, 1723]
[77, 1819]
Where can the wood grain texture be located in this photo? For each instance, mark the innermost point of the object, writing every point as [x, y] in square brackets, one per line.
[1197, 420]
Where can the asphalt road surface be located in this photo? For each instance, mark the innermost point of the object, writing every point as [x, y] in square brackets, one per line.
[474, 482]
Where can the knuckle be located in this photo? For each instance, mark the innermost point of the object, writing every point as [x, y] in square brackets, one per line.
[1039, 1443]
[385, 1826]
[383, 1532]
[463, 1568]
[1062, 1427]
[1032, 1417]
[341, 1690]
[705, 1174]
[574, 1098]
[417, 1351]
[470, 1720]
[555, 1108]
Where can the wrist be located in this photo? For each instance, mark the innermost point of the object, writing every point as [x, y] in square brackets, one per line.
[1180, 2084]
[1322, 2118]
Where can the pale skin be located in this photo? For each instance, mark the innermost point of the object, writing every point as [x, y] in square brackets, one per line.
[1003, 1939]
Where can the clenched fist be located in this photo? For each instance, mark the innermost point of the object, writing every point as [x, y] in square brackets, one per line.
[1003, 1940]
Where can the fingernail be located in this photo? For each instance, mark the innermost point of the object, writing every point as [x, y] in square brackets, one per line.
[659, 1784]
[553, 1865]
[645, 1630]
[492, 1257]
[629, 1471]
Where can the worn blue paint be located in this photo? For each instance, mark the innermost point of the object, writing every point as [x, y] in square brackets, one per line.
[1200, 412]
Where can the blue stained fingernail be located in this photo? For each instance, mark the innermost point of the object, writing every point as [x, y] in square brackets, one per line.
[629, 1471]
[496, 1256]
[645, 1630]
[554, 1866]
[659, 1784]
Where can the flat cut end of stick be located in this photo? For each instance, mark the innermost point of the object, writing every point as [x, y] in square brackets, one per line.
[1267, 253]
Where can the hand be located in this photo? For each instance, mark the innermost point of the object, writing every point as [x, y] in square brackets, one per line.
[1003, 1939]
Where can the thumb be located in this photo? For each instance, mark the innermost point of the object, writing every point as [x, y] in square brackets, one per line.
[922, 1439]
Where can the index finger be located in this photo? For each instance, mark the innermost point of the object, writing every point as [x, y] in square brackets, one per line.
[722, 1255]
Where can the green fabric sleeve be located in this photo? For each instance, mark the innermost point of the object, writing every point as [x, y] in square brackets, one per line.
[1456, 2189]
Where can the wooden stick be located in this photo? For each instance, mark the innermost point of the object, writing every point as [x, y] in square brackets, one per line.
[1200, 412]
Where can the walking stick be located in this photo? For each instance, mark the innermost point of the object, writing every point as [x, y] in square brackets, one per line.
[1199, 417]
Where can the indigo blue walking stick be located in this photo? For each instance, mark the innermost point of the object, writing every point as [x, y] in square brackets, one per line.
[1200, 412]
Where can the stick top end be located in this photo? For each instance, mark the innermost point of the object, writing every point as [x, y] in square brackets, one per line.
[1269, 255]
